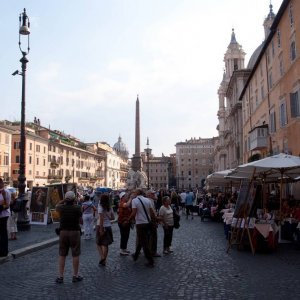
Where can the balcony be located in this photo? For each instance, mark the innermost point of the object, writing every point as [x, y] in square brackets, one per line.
[59, 177]
[54, 165]
[259, 138]
[84, 179]
[93, 179]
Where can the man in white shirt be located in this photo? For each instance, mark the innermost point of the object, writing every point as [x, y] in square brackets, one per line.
[142, 212]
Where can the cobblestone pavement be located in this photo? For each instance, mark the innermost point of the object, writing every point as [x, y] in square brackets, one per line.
[199, 268]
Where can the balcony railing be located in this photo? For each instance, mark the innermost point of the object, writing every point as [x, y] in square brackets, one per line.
[58, 177]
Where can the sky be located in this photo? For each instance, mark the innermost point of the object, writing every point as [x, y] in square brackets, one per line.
[89, 59]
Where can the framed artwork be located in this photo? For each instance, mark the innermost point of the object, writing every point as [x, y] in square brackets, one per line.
[55, 195]
[39, 200]
[55, 217]
[38, 218]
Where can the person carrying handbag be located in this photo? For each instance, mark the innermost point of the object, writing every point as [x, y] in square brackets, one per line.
[124, 223]
[142, 212]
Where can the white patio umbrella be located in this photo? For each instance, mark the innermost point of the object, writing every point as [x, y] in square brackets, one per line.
[219, 178]
[277, 167]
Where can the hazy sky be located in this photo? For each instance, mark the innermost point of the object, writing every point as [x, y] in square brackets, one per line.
[90, 58]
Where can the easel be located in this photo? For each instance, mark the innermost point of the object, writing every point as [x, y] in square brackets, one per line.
[242, 224]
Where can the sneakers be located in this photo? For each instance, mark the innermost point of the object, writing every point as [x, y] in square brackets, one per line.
[77, 278]
[124, 252]
[59, 280]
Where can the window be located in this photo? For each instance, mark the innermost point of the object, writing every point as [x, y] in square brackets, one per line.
[30, 146]
[44, 162]
[270, 78]
[268, 57]
[282, 114]
[293, 51]
[30, 160]
[6, 160]
[272, 121]
[44, 149]
[273, 48]
[7, 139]
[17, 159]
[262, 91]
[16, 145]
[281, 68]
[235, 64]
[295, 107]
[37, 161]
[38, 148]
[278, 38]
[291, 15]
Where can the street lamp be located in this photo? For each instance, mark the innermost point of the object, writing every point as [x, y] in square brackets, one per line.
[24, 32]
[148, 151]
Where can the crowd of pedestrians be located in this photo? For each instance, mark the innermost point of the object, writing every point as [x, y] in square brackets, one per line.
[139, 210]
[93, 213]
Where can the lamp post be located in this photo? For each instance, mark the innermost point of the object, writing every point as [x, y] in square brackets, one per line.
[148, 151]
[24, 32]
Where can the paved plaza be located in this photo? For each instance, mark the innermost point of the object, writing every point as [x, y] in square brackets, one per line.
[199, 268]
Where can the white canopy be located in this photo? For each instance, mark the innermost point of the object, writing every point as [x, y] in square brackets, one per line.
[220, 178]
[278, 166]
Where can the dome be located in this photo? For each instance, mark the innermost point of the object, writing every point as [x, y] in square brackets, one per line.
[121, 148]
[254, 56]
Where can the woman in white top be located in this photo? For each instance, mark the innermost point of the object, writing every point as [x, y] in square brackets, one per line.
[104, 236]
[88, 210]
[166, 217]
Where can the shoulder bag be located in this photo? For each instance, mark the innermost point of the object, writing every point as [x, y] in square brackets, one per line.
[152, 224]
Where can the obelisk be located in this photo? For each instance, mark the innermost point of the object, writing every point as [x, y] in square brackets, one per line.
[137, 159]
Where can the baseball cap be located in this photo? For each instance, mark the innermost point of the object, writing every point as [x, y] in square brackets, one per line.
[69, 196]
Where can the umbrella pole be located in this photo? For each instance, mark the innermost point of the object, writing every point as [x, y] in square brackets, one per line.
[280, 203]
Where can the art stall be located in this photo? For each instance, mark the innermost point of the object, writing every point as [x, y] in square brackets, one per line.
[266, 212]
[43, 201]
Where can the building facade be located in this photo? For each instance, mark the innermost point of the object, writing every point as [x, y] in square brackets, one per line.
[271, 95]
[158, 170]
[228, 146]
[5, 153]
[52, 156]
[194, 161]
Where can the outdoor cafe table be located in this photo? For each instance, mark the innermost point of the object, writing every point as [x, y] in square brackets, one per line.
[265, 235]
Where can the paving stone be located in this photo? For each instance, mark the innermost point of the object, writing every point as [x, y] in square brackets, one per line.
[199, 268]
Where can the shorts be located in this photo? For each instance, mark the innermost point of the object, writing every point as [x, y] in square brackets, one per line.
[105, 239]
[69, 239]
